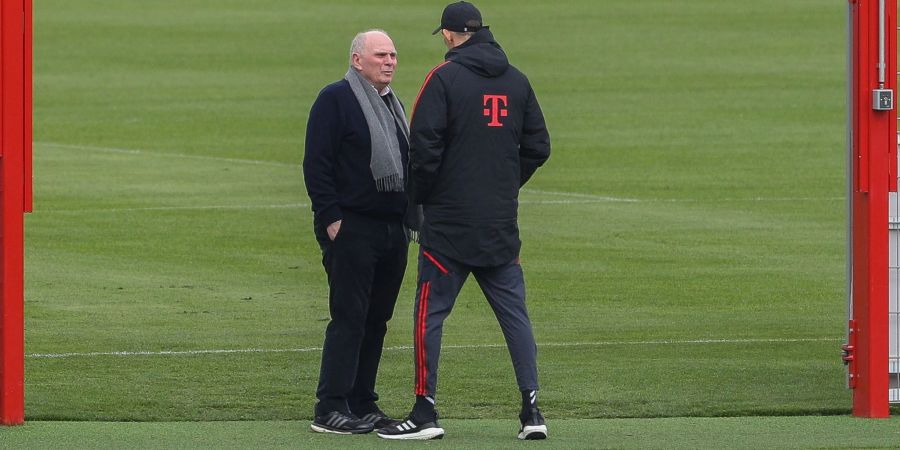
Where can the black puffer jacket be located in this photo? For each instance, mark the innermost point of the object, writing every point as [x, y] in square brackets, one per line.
[477, 135]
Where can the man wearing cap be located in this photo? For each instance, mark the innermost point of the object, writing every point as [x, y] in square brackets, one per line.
[355, 173]
[477, 135]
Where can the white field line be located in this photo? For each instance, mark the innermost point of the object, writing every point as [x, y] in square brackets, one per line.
[407, 347]
[596, 198]
[583, 198]
[592, 198]
[571, 201]
[747, 199]
[522, 202]
[284, 206]
[173, 208]
[166, 154]
[682, 200]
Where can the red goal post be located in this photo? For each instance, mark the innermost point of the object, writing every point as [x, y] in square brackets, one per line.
[872, 176]
[15, 198]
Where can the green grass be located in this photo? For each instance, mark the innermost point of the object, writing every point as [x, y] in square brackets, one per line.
[669, 433]
[684, 246]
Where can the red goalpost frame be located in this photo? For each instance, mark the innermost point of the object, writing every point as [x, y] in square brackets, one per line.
[872, 173]
[872, 166]
[15, 199]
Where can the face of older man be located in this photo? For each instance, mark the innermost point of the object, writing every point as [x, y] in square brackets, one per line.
[377, 60]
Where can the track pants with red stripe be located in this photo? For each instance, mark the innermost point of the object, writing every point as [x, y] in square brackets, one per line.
[439, 282]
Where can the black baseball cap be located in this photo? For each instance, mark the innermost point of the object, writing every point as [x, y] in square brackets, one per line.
[460, 17]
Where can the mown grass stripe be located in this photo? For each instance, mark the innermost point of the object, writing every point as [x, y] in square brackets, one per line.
[409, 347]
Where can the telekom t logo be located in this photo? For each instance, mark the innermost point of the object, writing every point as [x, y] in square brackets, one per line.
[495, 108]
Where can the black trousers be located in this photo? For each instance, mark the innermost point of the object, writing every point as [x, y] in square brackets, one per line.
[365, 266]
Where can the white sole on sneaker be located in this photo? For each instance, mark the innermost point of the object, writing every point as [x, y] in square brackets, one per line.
[533, 432]
[319, 429]
[423, 435]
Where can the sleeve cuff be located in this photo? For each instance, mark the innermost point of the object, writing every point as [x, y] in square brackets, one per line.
[330, 215]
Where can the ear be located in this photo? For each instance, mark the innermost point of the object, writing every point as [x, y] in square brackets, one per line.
[355, 61]
[448, 38]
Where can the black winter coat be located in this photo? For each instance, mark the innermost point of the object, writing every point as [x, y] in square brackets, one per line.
[477, 135]
[336, 161]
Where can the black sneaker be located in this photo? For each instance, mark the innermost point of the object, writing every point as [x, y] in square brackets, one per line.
[533, 426]
[339, 423]
[413, 429]
[379, 419]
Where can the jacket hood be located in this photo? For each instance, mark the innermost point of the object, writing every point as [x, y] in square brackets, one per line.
[480, 54]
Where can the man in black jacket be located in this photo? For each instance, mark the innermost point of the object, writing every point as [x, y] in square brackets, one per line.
[477, 135]
[355, 173]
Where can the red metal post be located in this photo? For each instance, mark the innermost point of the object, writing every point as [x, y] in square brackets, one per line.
[15, 123]
[27, 105]
[874, 161]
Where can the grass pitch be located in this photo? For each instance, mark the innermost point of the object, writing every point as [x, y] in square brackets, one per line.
[670, 433]
[684, 247]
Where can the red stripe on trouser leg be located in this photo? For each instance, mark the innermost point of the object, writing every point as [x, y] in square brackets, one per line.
[421, 368]
[418, 326]
[420, 339]
[423, 371]
[436, 263]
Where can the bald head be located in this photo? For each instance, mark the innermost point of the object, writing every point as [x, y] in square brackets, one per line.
[358, 45]
[372, 53]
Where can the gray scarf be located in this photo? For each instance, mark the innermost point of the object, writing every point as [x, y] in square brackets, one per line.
[386, 162]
